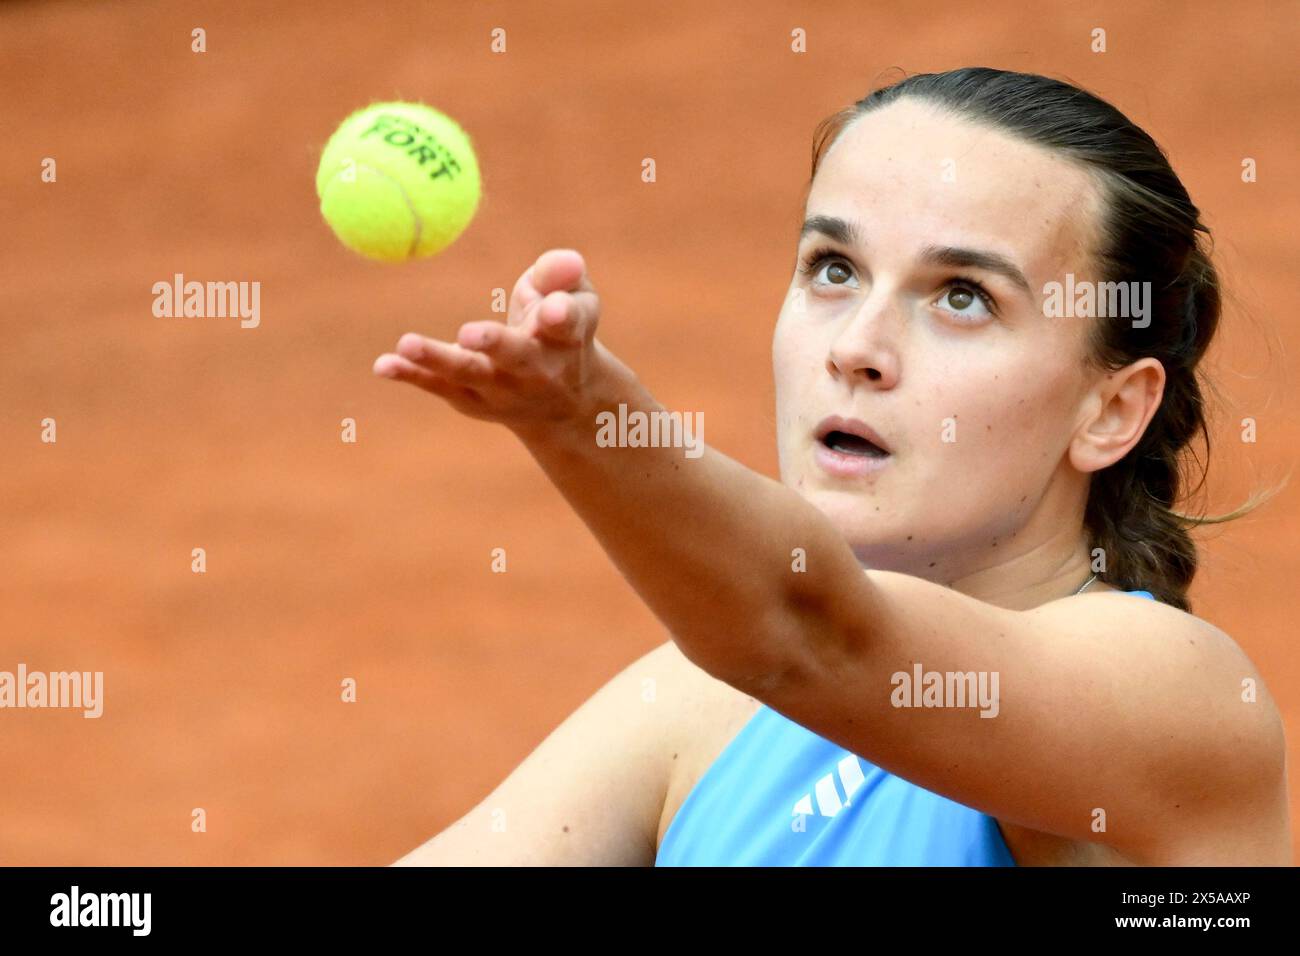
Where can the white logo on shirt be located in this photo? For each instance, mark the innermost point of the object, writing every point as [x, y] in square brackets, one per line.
[828, 798]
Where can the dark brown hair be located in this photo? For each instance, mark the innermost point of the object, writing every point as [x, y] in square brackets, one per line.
[1150, 232]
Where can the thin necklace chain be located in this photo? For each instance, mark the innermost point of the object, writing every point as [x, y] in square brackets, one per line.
[1085, 585]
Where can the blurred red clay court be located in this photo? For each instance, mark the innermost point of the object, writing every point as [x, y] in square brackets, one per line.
[370, 561]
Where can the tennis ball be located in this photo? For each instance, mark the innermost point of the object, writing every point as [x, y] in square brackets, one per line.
[398, 181]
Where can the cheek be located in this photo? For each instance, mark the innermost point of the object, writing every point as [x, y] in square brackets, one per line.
[1007, 416]
[998, 427]
[981, 460]
[793, 362]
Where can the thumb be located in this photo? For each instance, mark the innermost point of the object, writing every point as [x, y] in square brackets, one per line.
[560, 270]
[568, 318]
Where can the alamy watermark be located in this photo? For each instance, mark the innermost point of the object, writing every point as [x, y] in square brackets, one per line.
[659, 429]
[922, 688]
[67, 689]
[219, 300]
[130, 910]
[1087, 300]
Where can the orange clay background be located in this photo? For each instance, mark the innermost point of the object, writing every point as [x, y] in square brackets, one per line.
[372, 560]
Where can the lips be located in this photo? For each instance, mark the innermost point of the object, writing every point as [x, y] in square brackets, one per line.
[851, 436]
[850, 449]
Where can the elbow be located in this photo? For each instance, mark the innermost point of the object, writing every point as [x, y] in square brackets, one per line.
[828, 627]
[807, 631]
[783, 651]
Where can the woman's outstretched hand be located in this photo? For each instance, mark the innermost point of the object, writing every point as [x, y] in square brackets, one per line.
[542, 366]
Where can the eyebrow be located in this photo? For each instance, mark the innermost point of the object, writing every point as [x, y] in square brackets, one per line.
[977, 259]
[843, 231]
[848, 233]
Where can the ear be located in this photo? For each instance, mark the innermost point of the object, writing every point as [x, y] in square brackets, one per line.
[1120, 406]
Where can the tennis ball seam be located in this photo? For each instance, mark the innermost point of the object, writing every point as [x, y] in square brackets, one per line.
[410, 206]
[367, 220]
[415, 215]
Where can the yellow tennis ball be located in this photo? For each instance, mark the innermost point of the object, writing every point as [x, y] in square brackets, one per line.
[398, 181]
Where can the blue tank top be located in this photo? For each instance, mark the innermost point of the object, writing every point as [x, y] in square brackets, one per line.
[779, 795]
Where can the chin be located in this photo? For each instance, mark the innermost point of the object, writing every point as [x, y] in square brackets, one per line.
[854, 516]
[877, 537]
[846, 501]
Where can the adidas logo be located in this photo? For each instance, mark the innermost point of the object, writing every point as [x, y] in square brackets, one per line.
[828, 798]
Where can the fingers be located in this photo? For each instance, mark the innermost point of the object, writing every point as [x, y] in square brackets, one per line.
[445, 360]
[560, 270]
[564, 318]
[501, 346]
[523, 296]
[404, 370]
[553, 304]
[438, 367]
[556, 271]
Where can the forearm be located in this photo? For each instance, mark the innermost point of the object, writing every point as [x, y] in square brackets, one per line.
[708, 544]
[749, 578]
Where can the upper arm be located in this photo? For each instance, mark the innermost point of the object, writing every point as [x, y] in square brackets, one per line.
[591, 793]
[1111, 719]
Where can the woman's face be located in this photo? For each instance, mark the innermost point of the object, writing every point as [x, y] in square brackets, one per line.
[975, 400]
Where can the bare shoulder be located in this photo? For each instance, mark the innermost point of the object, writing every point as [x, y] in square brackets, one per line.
[699, 709]
[593, 791]
[1208, 663]
[707, 716]
[1215, 739]
[691, 697]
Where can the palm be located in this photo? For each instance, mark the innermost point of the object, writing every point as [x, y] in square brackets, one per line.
[530, 369]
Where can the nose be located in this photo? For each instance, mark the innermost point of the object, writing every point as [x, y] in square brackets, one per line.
[865, 349]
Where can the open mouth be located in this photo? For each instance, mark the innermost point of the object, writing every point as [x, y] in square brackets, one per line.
[850, 448]
[850, 444]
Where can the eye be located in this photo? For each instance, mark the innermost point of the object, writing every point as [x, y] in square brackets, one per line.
[967, 299]
[837, 268]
